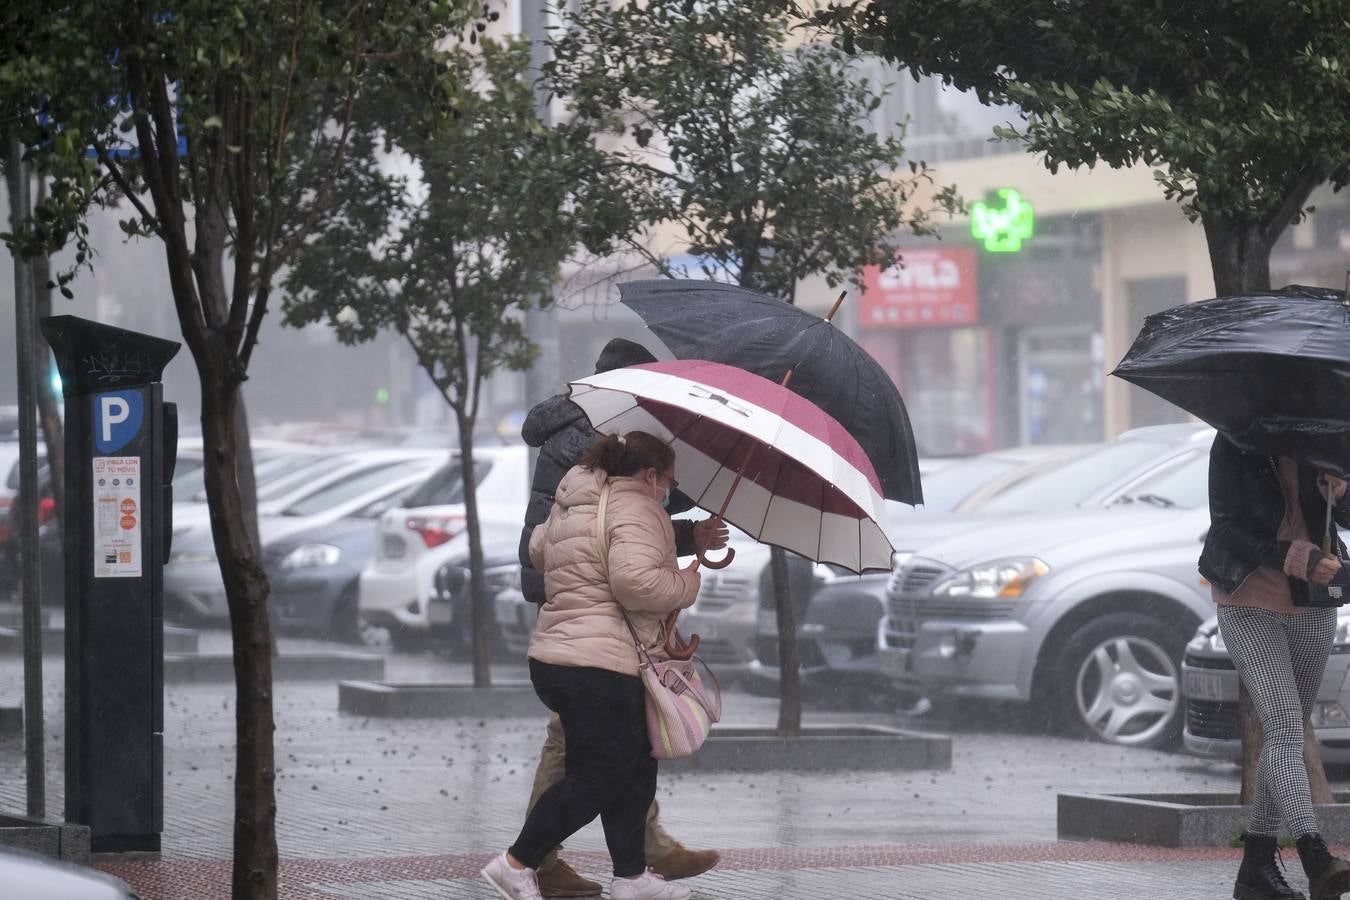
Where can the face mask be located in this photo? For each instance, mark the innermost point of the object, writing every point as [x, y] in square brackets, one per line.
[665, 501]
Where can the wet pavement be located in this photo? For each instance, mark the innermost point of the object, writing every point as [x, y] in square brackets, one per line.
[371, 808]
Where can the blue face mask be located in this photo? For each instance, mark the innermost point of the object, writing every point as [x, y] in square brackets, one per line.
[665, 501]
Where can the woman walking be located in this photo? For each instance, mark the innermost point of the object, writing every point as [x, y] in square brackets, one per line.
[1260, 557]
[584, 663]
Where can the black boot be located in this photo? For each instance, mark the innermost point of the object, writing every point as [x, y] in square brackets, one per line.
[1259, 877]
[1328, 876]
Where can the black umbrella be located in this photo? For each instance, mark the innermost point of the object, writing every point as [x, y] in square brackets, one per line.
[1270, 370]
[729, 324]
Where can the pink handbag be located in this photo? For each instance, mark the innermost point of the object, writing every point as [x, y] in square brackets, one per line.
[681, 707]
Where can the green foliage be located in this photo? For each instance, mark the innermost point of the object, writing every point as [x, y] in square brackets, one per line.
[1244, 102]
[451, 258]
[758, 150]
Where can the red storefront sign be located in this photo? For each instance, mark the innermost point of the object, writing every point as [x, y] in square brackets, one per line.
[936, 286]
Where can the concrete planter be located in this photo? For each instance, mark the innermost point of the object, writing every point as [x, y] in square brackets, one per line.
[218, 668]
[1176, 820]
[176, 640]
[11, 720]
[55, 839]
[817, 749]
[439, 700]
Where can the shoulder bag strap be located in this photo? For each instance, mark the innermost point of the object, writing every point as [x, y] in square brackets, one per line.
[602, 548]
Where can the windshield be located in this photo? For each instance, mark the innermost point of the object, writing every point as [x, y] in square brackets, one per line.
[1184, 485]
[355, 485]
[1073, 482]
[951, 484]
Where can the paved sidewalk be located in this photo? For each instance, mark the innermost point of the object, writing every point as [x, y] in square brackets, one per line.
[412, 808]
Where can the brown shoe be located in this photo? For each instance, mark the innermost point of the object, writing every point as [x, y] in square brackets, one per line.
[561, 880]
[684, 863]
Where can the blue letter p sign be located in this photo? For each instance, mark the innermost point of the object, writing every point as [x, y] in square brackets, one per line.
[117, 419]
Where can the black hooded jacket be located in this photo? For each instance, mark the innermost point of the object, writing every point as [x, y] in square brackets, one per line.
[1246, 507]
[560, 430]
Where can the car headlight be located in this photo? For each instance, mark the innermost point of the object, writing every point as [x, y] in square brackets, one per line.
[309, 556]
[998, 578]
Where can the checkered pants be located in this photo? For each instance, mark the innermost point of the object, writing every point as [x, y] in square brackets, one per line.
[1280, 657]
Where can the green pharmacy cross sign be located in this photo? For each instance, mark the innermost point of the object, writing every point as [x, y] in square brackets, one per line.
[1002, 228]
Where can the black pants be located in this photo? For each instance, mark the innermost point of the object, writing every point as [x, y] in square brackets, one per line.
[610, 770]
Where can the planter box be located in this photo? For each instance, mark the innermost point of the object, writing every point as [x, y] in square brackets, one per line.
[11, 616]
[1176, 820]
[439, 700]
[218, 668]
[55, 839]
[11, 720]
[817, 749]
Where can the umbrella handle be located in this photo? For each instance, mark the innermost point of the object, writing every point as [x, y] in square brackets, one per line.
[717, 563]
[675, 646]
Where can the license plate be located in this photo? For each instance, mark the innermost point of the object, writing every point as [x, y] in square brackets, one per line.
[1204, 686]
[440, 613]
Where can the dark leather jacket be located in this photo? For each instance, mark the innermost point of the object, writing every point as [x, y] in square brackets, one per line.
[560, 430]
[1246, 507]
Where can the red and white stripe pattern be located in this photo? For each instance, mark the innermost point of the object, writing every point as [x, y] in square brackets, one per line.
[807, 485]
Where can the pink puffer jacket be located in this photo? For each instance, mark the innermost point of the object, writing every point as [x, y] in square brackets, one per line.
[581, 624]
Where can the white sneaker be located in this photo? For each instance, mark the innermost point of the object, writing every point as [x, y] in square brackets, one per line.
[513, 884]
[647, 886]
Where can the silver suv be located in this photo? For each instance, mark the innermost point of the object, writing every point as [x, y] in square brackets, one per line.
[1085, 612]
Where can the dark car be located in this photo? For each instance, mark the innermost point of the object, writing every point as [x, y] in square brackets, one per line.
[450, 610]
[314, 574]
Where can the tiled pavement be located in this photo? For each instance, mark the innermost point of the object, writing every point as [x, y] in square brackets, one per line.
[411, 809]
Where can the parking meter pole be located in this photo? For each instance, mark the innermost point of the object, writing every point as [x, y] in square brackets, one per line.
[25, 328]
[121, 441]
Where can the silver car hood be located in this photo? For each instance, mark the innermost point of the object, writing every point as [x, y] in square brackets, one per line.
[1063, 539]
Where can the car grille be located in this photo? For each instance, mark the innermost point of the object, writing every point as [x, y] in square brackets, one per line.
[808, 653]
[722, 590]
[1212, 719]
[915, 577]
[721, 652]
[1209, 662]
[928, 607]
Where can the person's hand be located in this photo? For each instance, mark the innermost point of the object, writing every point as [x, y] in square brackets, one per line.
[710, 534]
[1326, 570]
[1331, 483]
[693, 565]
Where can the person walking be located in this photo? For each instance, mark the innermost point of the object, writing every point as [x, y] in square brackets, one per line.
[583, 658]
[562, 433]
[1260, 557]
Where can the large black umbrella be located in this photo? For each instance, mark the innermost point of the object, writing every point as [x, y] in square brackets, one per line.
[1269, 370]
[729, 324]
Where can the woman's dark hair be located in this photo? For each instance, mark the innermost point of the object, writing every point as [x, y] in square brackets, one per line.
[629, 454]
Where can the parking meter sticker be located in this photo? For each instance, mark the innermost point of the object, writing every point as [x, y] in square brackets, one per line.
[117, 419]
[117, 519]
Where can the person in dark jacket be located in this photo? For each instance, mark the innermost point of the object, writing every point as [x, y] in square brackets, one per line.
[1267, 518]
[561, 431]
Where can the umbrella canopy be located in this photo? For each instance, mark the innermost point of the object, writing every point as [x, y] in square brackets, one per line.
[1270, 370]
[771, 463]
[729, 324]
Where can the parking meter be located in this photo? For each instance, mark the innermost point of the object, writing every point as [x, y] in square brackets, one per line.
[121, 442]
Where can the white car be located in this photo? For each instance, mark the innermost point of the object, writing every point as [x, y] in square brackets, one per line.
[347, 484]
[415, 540]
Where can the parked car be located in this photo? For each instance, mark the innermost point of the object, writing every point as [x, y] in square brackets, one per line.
[1211, 691]
[450, 606]
[1084, 613]
[361, 482]
[417, 538]
[312, 576]
[839, 611]
[28, 876]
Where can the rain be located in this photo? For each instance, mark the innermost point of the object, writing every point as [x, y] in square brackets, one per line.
[674, 450]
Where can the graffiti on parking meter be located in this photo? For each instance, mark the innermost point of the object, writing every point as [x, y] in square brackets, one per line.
[117, 517]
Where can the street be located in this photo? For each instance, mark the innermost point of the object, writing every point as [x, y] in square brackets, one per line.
[411, 808]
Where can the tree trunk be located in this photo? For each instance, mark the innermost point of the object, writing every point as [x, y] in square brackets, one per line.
[789, 666]
[480, 610]
[1249, 727]
[255, 844]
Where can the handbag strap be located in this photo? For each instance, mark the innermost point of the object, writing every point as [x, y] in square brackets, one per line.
[602, 549]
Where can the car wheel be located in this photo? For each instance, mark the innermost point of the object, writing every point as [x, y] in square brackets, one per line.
[345, 623]
[1118, 680]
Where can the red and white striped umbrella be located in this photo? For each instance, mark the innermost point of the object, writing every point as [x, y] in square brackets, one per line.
[795, 477]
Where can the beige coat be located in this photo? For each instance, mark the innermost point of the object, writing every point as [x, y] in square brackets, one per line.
[580, 624]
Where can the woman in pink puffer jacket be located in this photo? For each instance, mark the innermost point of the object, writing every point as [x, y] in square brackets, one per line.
[584, 664]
